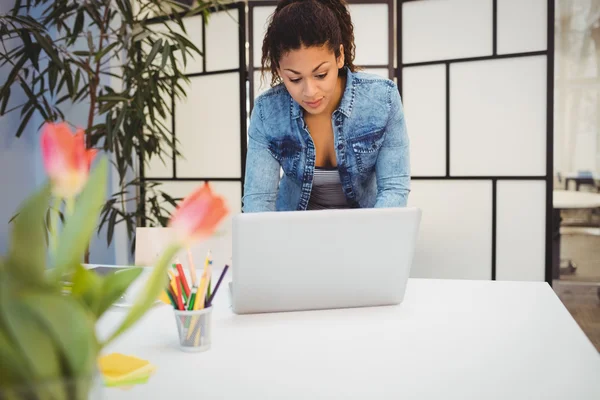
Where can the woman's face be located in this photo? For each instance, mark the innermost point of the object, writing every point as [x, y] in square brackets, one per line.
[310, 75]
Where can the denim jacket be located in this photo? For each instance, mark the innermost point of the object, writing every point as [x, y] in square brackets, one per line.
[370, 139]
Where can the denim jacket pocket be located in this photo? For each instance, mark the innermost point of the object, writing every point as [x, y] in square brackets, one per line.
[287, 152]
[366, 149]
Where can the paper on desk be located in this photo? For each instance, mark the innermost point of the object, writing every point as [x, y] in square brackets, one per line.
[123, 370]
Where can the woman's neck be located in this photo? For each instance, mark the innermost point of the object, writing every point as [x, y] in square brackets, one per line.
[337, 96]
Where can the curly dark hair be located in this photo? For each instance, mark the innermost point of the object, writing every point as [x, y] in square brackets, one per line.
[297, 23]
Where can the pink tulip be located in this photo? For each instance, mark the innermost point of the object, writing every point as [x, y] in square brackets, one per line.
[66, 159]
[198, 215]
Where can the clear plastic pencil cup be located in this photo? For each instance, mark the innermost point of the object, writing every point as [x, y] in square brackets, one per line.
[194, 329]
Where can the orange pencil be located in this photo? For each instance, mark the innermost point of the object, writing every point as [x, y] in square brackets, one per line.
[178, 296]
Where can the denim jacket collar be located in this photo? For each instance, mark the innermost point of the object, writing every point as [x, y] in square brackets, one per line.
[345, 105]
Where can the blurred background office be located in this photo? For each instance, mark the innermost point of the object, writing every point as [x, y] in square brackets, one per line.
[501, 104]
[577, 159]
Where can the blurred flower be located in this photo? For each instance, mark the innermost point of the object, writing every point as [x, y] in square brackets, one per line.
[66, 160]
[198, 215]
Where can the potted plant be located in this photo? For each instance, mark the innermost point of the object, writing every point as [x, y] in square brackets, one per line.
[122, 65]
[48, 343]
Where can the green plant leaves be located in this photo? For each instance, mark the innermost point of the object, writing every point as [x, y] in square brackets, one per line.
[114, 285]
[71, 328]
[99, 293]
[27, 249]
[80, 226]
[155, 284]
[87, 287]
[37, 351]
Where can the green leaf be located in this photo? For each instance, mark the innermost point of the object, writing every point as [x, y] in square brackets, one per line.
[77, 78]
[112, 97]
[165, 55]
[78, 26]
[52, 76]
[24, 122]
[32, 343]
[90, 41]
[13, 368]
[155, 284]
[111, 227]
[12, 75]
[79, 226]
[46, 44]
[114, 285]
[5, 101]
[105, 50]
[27, 251]
[87, 287]
[83, 53]
[155, 49]
[71, 328]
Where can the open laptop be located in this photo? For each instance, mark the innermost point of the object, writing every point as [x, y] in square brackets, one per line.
[292, 261]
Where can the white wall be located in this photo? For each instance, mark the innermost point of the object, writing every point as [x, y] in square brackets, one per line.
[21, 170]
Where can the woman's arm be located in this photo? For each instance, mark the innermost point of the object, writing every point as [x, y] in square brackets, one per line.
[262, 170]
[393, 163]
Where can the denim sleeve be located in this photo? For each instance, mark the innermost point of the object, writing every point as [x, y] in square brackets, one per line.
[261, 182]
[393, 163]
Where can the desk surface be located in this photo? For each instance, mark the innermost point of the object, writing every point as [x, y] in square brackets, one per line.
[565, 199]
[449, 339]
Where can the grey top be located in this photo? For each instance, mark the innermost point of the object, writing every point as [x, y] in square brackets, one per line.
[327, 192]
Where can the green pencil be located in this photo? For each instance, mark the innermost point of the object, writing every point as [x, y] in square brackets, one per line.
[173, 302]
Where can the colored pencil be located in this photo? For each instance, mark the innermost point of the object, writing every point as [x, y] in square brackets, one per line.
[186, 287]
[212, 296]
[178, 295]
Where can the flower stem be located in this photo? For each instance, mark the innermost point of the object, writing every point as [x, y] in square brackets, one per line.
[53, 239]
[70, 206]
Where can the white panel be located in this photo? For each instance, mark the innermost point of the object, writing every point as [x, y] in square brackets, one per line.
[261, 84]
[157, 168]
[193, 27]
[207, 126]
[522, 26]
[424, 99]
[220, 243]
[448, 29]
[260, 20]
[455, 237]
[222, 41]
[521, 230]
[370, 33]
[383, 72]
[498, 117]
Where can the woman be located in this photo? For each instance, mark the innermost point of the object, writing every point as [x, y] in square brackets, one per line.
[338, 135]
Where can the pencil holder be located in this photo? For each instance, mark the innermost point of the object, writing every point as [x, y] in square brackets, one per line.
[194, 329]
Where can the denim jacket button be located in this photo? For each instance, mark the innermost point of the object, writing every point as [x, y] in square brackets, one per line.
[340, 146]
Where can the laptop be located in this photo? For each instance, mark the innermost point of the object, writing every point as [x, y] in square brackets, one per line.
[325, 259]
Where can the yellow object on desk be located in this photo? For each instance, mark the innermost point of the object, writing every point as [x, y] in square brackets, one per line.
[122, 370]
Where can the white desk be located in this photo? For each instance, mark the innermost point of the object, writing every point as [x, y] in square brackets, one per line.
[569, 199]
[447, 340]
